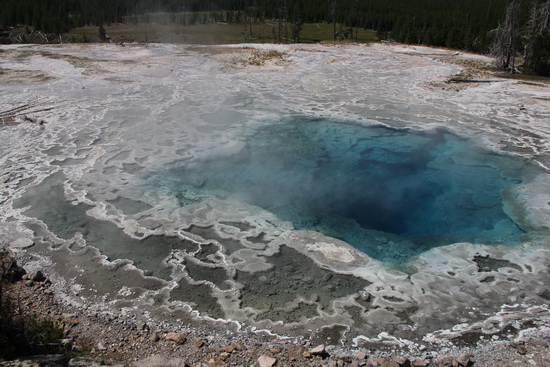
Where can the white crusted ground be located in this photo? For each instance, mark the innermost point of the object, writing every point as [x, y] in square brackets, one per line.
[114, 114]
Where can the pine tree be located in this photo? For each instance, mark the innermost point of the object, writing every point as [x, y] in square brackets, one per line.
[102, 33]
[537, 39]
[333, 6]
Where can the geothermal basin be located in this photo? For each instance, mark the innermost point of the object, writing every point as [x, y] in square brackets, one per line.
[348, 195]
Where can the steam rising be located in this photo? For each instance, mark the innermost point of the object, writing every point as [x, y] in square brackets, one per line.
[365, 185]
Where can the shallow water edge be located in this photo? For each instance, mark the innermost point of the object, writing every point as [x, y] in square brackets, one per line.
[126, 206]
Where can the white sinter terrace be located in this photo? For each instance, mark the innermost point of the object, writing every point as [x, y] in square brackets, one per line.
[346, 193]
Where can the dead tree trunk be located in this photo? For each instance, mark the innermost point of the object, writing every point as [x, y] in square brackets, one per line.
[333, 15]
[505, 37]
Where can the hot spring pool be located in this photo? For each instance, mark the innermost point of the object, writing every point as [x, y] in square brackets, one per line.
[391, 193]
[197, 192]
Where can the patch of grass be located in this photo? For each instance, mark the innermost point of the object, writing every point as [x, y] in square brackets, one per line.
[318, 32]
[210, 34]
[523, 77]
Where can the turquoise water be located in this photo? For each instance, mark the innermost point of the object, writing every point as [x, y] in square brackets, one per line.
[392, 193]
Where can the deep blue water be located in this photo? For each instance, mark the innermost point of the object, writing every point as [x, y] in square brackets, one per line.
[391, 193]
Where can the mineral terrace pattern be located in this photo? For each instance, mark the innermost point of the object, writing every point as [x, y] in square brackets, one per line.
[90, 193]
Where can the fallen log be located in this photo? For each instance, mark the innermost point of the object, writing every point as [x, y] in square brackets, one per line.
[462, 80]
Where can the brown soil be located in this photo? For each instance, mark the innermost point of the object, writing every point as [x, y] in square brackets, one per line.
[117, 342]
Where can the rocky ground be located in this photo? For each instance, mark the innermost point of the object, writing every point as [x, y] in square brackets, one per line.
[93, 340]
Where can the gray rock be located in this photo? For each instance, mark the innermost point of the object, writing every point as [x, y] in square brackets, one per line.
[177, 338]
[520, 348]
[402, 360]
[266, 361]
[420, 363]
[160, 361]
[85, 362]
[387, 363]
[295, 351]
[37, 276]
[154, 338]
[238, 346]
[318, 350]
[444, 362]
[141, 326]
[464, 359]
[344, 357]
[365, 296]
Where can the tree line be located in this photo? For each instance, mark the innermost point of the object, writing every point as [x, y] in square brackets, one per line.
[532, 35]
[464, 24]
